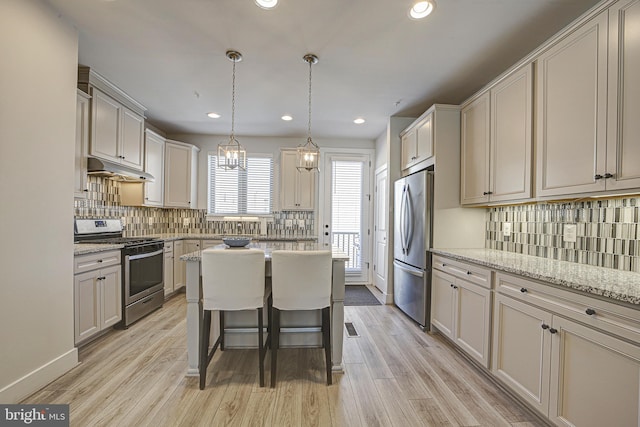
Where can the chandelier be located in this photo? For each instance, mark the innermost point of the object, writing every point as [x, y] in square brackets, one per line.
[309, 153]
[231, 155]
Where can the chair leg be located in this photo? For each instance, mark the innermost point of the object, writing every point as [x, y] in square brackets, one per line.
[275, 342]
[221, 330]
[269, 320]
[204, 347]
[261, 350]
[326, 335]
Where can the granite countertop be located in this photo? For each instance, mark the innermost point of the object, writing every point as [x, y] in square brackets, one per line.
[90, 248]
[268, 247]
[168, 237]
[615, 284]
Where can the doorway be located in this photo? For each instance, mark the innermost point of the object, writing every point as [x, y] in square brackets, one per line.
[381, 203]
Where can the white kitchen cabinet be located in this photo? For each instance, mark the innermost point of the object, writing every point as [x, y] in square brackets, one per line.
[168, 268]
[179, 266]
[496, 142]
[82, 144]
[623, 126]
[97, 293]
[461, 306]
[417, 142]
[297, 188]
[180, 175]
[154, 165]
[571, 115]
[116, 131]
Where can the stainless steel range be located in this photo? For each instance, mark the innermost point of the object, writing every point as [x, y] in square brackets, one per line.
[142, 265]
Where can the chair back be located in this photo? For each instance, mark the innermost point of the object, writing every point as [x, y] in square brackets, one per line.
[232, 279]
[301, 280]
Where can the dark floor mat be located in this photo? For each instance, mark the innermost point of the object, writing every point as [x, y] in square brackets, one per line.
[359, 295]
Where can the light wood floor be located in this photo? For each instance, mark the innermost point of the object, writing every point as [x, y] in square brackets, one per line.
[395, 375]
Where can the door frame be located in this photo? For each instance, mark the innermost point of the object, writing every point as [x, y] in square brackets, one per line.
[382, 170]
[324, 195]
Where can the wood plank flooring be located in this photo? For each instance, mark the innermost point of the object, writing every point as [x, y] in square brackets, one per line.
[395, 375]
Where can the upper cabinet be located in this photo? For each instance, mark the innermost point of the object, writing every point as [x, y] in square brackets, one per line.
[571, 112]
[82, 144]
[154, 165]
[496, 142]
[117, 121]
[297, 189]
[180, 175]
[417, 144]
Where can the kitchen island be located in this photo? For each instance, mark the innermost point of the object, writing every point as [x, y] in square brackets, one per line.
[244, 323]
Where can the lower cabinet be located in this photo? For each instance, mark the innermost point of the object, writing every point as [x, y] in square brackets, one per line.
[168, 268]
[97, 296]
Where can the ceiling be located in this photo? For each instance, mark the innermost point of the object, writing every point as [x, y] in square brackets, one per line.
[374, 62]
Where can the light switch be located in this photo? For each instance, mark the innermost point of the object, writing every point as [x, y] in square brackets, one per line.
[569, 233]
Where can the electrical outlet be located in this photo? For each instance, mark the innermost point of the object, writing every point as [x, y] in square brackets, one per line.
[150, 220]
[569, 233]
[288, 223]
[185, 221]
[506, 228]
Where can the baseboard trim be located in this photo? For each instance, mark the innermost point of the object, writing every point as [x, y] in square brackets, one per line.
[40, 377]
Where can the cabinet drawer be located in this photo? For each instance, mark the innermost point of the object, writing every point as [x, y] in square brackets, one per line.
[168, 247]
[609, 317]
[469, 272]
[97, 260]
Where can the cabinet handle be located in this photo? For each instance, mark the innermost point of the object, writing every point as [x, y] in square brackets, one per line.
[451, 285]
[86, 190]
[142, 178]
[455, 287]
[469, 273]
[544, 326]
[597, 177]
[484, 193]
[590, 311]
[609, 175]
[553, 330]
[444, 265]
[101, 278]
[99, 260]
[523, 290]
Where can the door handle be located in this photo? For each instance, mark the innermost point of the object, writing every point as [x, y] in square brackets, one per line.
[412, 271]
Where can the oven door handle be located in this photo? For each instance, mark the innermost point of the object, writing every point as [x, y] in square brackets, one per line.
[141, 256]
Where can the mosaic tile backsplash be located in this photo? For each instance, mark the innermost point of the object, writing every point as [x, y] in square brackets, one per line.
[607, 231]
[103, 200]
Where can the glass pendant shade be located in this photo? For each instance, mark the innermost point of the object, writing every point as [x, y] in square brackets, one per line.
[308, 156]
[232, 155]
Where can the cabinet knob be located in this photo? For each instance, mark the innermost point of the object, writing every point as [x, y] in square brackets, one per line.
[444, 265]
[85, 190]
[486, 193]
[99, 260]
[326, 233]
[455, 287]
[469, 273]
[590, 311]
[609, 175]
[553, 330]
[451, 285]
[523, 290]
[597, 176]
[544, 326]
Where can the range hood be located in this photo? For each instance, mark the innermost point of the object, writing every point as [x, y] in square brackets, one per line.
[116, 171]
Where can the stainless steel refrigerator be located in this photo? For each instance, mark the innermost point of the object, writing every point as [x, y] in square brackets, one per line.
[411, 243]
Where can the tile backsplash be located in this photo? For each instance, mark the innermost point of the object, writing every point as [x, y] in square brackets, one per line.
[103, 200]
[607, 231]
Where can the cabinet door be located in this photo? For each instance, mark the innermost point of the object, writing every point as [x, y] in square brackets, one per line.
[177, 174]
[154, 164]
[132, 139]
[595, 378]
[179, 270]
[409, 147]
[472, 320]
[474, 174]
[522, 350]
[86, 299]
[306, 190]
[111, 296]
[510, 147]
[168, 270]
[105, 125]
[82, 144]
[623, 144]
[424, 148]
[442, 302]
[571, 112]
[288, 179]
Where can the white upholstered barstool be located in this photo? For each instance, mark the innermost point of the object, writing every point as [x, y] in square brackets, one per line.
[232, 280]
[301, 280]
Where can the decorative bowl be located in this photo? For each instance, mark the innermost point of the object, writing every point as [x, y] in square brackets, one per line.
[236, 242]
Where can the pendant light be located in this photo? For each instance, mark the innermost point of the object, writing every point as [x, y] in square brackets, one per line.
[232, 155]
[309, 153]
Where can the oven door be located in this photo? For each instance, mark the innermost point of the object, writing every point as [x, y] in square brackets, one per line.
[143, 275]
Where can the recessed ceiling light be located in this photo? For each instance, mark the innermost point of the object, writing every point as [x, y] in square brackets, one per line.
[267, 4]
[213, 115]
[422, 9]
[359, 121]
[286, 118]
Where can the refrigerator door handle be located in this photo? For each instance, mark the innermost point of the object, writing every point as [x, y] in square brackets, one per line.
[409, 225]
[402, 214]
[414, 271]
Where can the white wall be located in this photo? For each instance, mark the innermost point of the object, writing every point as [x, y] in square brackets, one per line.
[254, 144]
[37, 131]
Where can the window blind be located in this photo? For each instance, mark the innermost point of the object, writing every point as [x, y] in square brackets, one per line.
[346, 196]
[241, 192]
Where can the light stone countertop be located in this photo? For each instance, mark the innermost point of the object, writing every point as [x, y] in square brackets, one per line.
[90, 248]
[615, 284]
[168, 237]
[268, 247]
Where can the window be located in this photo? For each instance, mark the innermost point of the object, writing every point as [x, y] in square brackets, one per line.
[241, 192]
